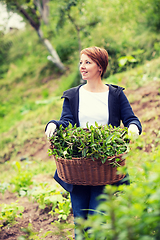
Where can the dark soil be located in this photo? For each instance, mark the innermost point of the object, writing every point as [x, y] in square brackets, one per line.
[35, 219]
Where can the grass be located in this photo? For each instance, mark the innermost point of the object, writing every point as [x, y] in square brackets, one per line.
[36, 105]
[31, 89]
[28, 121]
[140, 76]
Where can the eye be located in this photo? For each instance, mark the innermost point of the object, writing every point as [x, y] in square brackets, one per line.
[87, 62]
[80, 62]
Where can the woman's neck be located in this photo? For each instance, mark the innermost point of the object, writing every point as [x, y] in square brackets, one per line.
[96, 87]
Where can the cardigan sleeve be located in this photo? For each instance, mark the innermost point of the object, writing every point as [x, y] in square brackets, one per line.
[127, 115]
[66, 116]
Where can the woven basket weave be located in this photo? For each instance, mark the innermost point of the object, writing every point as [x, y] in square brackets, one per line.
[80, 171]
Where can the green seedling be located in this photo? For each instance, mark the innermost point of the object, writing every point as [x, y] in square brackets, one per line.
[63, 209]
[22, 180]
[9, 212]
[46, 196]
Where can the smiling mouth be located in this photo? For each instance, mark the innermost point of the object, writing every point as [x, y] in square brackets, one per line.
[83, 72]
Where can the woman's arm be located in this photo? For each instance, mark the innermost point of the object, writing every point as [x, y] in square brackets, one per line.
[127, 115]
[66, 116]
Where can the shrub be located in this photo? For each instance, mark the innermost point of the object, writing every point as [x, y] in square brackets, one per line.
[129, 212]
[65, 49]
[153, 16]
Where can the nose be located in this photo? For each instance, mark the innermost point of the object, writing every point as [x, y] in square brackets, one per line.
[82, 66]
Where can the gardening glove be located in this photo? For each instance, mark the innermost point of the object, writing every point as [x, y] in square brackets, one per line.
[133, 130]
[50, 130]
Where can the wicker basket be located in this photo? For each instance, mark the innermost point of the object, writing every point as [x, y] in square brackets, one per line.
[80, 171]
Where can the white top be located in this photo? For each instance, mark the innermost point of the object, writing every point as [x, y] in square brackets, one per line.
[93, 107]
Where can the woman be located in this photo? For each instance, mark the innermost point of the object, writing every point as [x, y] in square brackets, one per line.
[93, 102]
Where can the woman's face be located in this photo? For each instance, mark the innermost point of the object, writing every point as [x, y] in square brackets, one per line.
[88, 68]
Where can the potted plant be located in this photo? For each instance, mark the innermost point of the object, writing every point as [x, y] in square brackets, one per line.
[89, 156]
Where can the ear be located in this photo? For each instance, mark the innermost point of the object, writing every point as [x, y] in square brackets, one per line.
[100, 69]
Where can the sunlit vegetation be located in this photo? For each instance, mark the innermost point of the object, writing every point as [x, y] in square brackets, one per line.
[30, 95]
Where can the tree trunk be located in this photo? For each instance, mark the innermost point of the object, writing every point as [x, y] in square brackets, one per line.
[43, 8]
[54, 56]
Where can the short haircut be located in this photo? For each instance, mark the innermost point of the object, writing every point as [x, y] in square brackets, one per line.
[98, 55]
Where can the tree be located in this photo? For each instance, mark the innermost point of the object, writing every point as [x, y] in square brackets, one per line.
[75, 12]
[153, 14]
[35, 11]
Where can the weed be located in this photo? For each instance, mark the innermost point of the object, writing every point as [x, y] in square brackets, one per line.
[46, 196]
[3, 187]
[9, 212]
[63, 230]
[30, 234]
[63, 210]
[22, 180]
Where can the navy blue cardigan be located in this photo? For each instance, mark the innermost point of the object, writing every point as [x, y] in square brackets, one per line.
[119, 110]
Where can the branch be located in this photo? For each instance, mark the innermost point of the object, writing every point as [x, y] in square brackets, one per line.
[26, 15]
[77, 29]
[43, 9]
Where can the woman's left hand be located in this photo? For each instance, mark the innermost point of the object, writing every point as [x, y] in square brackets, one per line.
[133, 130]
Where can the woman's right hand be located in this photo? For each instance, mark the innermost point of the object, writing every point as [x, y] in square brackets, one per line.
[50, 130]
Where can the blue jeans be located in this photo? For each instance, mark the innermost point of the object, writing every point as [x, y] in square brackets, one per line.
[84, 199]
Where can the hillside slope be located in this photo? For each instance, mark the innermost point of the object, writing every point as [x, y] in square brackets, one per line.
[146, 107]
[144, 99]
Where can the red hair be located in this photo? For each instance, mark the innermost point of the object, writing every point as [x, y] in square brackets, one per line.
[98, 55]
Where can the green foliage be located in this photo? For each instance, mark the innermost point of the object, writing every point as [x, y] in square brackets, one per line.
[62, 230]
[22, 180]
[46, 196]
[63, 210]
[152, 14]
[25, 72]
[81, 20]
[9, 212]
[96, 142]
[49, 197]
[125, 59]
[29, 233]
[30, 83]
[66, 48]
[3, 187]
[5, 46]
[129, 212]
[64, 9]
[30, 9]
